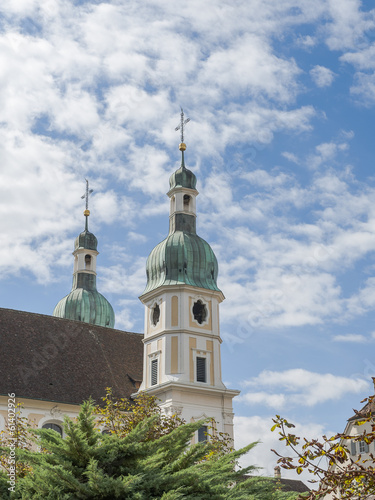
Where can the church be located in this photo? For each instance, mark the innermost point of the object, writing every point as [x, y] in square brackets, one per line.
[54, 363]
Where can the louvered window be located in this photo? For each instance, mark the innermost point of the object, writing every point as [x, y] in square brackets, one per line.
[154, 372]
[202, 433]
[353, 447]
[201, 370]
[363, 447]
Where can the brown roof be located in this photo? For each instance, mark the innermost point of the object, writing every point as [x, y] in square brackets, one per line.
[369, 408]
[292, 485]
[54, 359]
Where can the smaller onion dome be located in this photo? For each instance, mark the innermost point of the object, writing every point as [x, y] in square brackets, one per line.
[183, 178]
[86, 240]
[88, 306]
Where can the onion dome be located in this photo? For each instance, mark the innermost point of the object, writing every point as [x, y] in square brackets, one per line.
[183, 178]
[86, 240]
[88, 306]
[182, 258]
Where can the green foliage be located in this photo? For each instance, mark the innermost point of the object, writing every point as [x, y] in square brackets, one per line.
[120, 416]
[344, 477]
[86, 464]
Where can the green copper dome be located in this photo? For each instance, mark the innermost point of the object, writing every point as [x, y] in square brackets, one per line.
[182, 258]
[88, 306]
[183, 178]
[86, 240]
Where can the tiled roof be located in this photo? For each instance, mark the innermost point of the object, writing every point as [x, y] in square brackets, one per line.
[365, 410]
[54, 359]
[292, 485]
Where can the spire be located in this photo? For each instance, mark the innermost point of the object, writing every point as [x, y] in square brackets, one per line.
[182, 177]
[86, 212]
[182, 145]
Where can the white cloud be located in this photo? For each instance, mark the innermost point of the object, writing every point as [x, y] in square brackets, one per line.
[348, 23]
[291, 157]
[250, 66]
[264, 179]
[350, 337]
[364, 300]
[362, 59]
[264, 398]
[323, 77]
[127, 277]
[306, 42]
[255, 428]
[125, 317]
[300, 387]
[137, 237]
[325, 152]
[364, 88]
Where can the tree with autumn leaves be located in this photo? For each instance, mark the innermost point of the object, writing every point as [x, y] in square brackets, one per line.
[338, 475]
[142, 454]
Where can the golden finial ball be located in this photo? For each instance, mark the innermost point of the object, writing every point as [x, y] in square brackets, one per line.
[182, 146]
[86, 213]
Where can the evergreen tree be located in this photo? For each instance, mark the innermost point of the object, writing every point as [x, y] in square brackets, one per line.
[89, 465]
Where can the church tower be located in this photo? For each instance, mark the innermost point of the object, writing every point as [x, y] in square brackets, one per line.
[182, 365]
[84, 302]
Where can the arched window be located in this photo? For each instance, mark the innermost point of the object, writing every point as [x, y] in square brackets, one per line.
[54, 427]
[87, 261]
[173, 204]
[186, 202]
[203, 434]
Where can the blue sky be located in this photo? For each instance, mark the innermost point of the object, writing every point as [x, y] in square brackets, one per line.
[281, 98]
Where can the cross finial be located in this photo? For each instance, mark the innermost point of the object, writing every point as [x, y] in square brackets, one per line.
[86, 213]
[181, 125]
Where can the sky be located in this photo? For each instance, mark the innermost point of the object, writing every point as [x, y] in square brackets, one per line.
[281, 100]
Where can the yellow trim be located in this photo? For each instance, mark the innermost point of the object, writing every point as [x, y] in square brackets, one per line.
[174, 319]
[220, 362]
[159, 344]
[210, 347]
[192, 345]
[148, 352]
[174, 354]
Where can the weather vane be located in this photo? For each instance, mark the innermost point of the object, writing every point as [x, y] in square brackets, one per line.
[86, 213]
[181, 125]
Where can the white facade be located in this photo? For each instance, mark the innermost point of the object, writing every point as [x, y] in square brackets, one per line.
[38, 413]
[178, 343]
[359, 450]
[182, 364]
